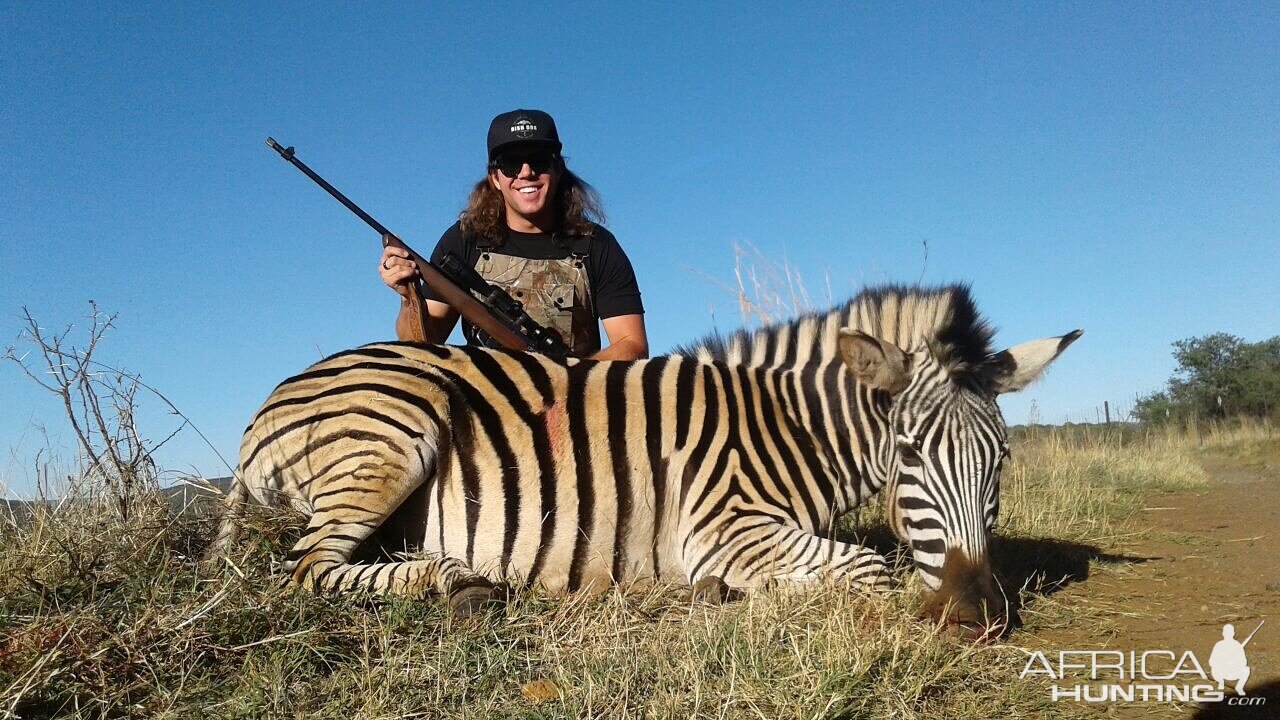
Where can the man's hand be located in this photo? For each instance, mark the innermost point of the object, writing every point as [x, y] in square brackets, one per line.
[397, 270]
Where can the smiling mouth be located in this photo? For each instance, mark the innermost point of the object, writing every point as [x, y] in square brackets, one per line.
[528, 190]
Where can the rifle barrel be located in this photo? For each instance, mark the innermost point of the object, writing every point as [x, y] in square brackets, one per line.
[1255, 632]
[287, 154]
[458, 298]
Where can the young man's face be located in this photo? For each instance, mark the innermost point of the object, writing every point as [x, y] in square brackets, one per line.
[527, 178]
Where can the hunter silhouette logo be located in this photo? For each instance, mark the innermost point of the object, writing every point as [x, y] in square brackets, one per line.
[523, 128]
[1161, 676]
[1227, 661]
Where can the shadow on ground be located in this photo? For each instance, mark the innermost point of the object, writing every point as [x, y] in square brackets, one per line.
[1264, 699]
[1023, 565]
[1028, 566]
[1044, 565]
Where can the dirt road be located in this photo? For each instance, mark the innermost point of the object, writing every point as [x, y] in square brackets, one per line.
[1213, 559]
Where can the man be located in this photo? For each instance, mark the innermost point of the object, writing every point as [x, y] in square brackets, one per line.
[530, 228]
[1227, 661]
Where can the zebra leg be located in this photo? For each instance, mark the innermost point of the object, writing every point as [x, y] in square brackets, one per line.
[349, 504]
[343, 519]
[749, 554]
[813, 559]
[320, 560]
[713, 590]
[232, 517]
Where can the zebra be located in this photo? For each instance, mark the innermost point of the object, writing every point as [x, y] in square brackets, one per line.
[722, 466]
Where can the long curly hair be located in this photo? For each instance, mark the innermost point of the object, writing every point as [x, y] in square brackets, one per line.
[577, 206]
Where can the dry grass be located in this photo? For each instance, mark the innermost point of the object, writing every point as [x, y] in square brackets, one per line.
[108, 617]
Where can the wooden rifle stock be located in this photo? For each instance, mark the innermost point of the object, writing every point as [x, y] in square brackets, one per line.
[418, 330]
[459, 299]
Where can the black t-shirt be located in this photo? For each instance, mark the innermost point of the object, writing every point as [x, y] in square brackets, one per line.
[614, 290]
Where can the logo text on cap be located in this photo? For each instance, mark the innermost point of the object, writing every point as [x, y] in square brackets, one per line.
[523, 128]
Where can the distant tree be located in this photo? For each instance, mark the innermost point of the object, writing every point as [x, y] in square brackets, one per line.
[1208, 374]
[1158, 408]
[1218, 375]
[1260, 378]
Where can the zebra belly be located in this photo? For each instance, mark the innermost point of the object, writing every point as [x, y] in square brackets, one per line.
[576, 545]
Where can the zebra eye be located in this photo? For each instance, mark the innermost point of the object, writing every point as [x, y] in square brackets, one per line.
[910, 453]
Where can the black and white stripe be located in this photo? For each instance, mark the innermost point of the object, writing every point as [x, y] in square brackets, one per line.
[731, 461]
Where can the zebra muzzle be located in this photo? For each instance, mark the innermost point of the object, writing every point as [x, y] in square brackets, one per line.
[968, 604]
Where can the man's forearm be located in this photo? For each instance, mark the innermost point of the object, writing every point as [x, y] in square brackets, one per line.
[624, 349]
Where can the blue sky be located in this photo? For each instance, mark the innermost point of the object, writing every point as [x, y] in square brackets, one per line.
[1105, 166]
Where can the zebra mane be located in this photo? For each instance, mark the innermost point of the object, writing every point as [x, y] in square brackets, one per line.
[942, 319]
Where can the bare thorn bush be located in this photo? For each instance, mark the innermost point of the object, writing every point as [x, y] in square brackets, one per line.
[100, 404]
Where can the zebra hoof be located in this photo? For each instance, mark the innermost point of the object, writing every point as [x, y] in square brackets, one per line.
[469, 599]
[714, 591]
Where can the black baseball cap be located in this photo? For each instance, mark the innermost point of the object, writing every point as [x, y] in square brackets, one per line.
[522, 127]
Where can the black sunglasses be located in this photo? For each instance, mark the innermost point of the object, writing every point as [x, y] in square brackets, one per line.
[511, 165]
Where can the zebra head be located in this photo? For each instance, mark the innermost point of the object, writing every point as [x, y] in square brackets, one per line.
[943, 450]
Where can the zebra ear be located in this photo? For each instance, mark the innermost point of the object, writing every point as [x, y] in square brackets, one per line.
[874, 362]
[1020, 365]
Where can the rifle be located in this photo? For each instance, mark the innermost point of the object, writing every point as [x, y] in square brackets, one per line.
[495, 312]
[1255, 632]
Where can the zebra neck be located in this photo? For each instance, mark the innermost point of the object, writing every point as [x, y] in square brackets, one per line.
[847, 424]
